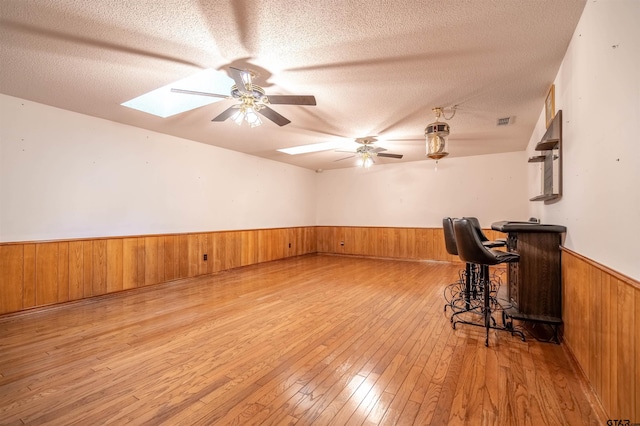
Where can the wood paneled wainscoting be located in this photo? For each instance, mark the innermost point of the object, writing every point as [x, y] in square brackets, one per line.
[44, 273]
[601, 313]
[396, 243]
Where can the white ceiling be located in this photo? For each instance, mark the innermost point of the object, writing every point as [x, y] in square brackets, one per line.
[376, 67]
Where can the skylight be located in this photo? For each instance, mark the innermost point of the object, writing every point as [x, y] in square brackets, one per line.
[323, 146]
[163, 103]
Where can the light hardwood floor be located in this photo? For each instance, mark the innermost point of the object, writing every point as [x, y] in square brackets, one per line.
[309, 340]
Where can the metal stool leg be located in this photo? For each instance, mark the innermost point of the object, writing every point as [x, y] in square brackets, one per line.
[487, 307]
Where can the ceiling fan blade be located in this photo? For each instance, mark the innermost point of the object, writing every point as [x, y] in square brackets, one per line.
[238, 77]
[225, 114]
[378, 149]
[292, 99]
[192, 92]
[346, 150]
[389, 155]
[345, 158]
[274, 116]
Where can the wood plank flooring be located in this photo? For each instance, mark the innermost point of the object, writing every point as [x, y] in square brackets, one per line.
[311, 340]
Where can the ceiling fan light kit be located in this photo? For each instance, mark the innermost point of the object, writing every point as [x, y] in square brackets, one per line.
[247, 114]
[365, 161]
[252, 101]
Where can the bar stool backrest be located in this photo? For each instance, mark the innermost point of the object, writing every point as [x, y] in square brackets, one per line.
[476, 224]
[449, 236]
[469, 245]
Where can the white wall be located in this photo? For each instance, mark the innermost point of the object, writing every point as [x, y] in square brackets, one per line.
[415, 194]
[598, 91]
[67, 175]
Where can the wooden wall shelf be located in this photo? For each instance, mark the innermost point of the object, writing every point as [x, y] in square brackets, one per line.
[545, 197]
[551, 147]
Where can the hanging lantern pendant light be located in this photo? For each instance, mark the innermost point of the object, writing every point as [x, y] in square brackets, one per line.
[436, 135]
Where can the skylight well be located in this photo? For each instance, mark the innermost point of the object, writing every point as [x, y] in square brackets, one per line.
[316, 147]
[164, 103]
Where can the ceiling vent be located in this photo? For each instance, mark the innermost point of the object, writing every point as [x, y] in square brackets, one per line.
[505, 121]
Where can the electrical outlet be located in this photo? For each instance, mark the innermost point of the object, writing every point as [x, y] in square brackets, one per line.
[205, 257]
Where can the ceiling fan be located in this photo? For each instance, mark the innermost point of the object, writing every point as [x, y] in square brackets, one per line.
[367, 152]
[253, 100]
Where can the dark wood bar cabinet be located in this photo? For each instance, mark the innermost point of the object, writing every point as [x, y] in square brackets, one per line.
[534, 283]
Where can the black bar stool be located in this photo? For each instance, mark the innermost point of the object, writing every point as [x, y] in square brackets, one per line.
[459, 292]
[471, 250]
[501, 242]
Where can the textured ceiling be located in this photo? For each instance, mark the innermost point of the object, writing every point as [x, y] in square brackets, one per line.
[375, 67]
